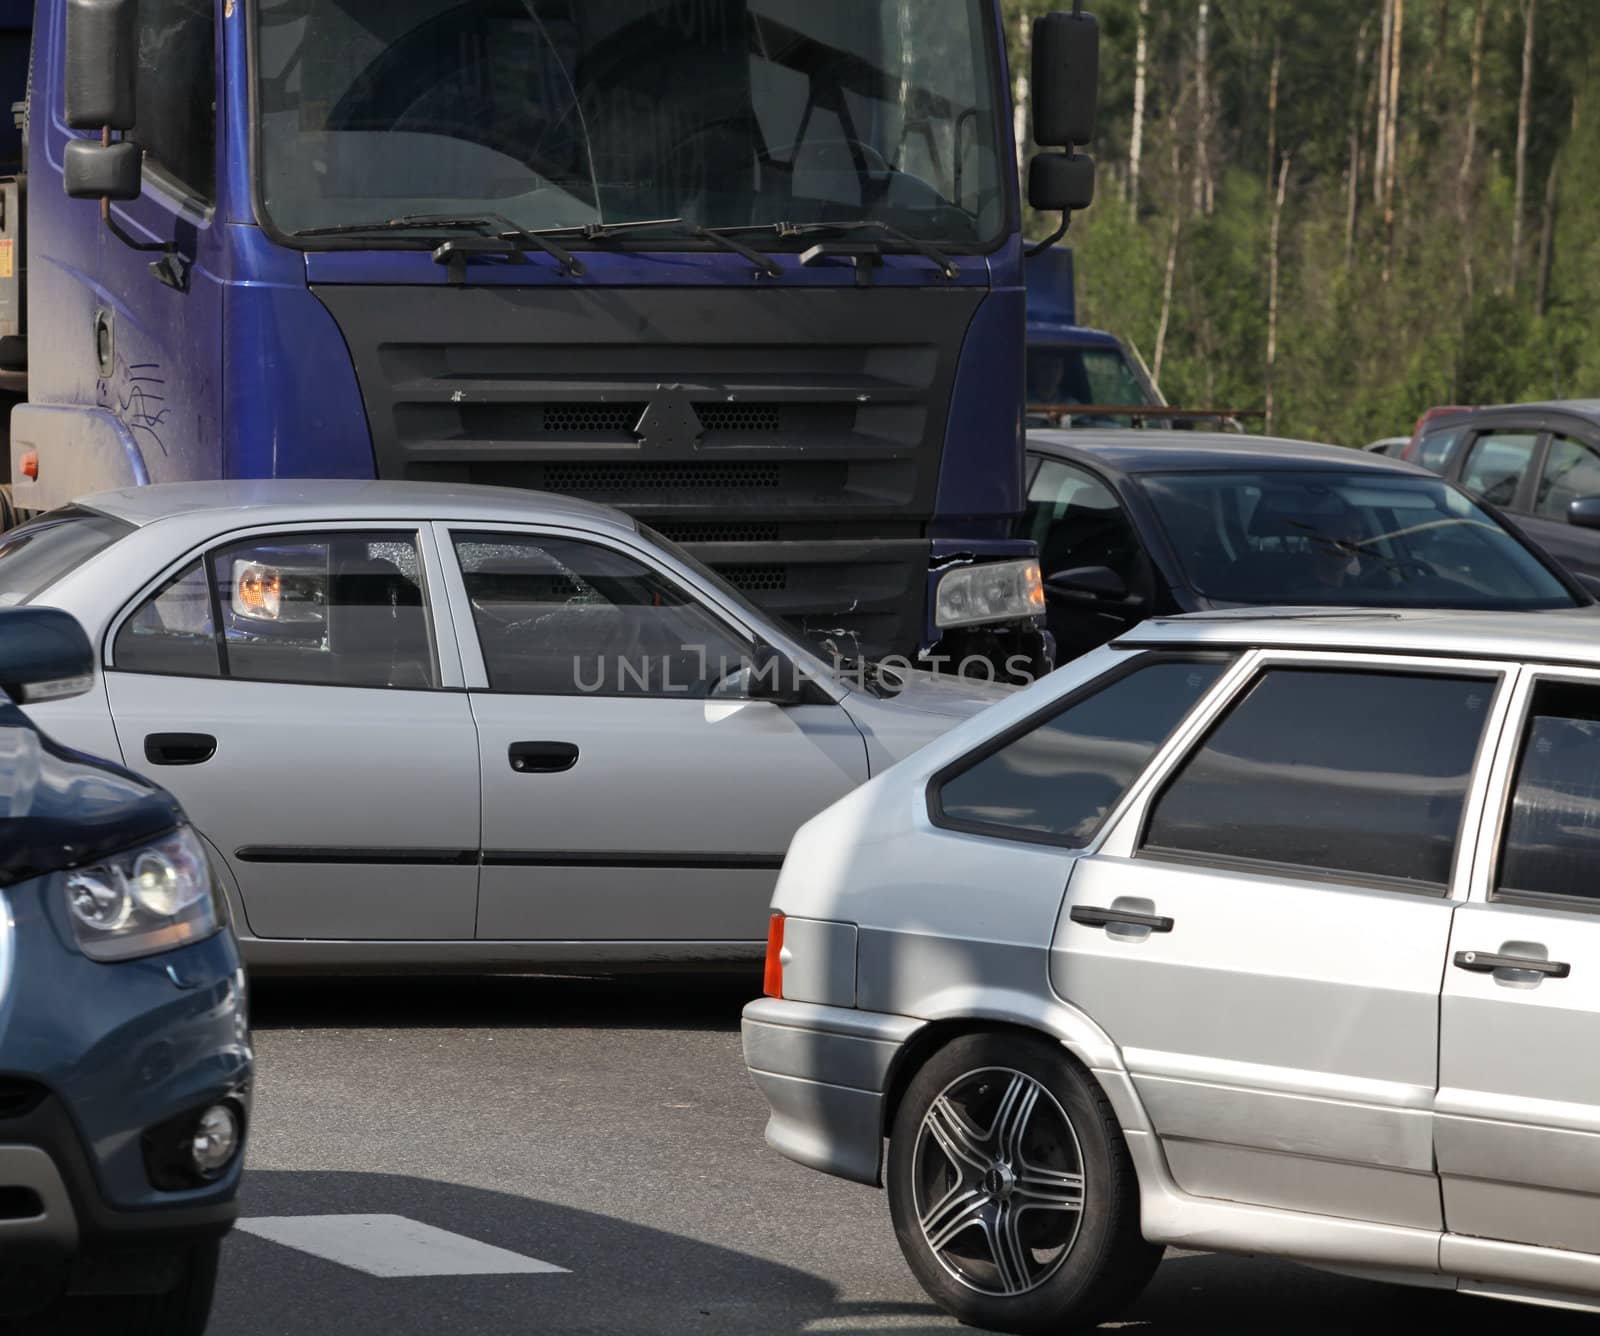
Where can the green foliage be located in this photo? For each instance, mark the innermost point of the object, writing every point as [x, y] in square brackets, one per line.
[1359, 355]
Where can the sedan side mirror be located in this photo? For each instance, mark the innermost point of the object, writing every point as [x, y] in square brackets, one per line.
[44, 655]
[1585, 512]
[1100, 582]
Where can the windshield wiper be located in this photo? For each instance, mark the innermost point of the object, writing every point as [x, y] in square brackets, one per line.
[456, 251]
[765, 265]
[794, 231]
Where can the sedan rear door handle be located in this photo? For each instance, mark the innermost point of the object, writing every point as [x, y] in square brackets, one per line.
[1091, 916]
[1488, 962]
[179, 748]
[543, 758]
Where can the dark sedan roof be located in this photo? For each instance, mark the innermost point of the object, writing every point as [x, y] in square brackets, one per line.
[1175, 451]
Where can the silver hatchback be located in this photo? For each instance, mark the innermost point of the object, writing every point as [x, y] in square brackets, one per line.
[1275, 934]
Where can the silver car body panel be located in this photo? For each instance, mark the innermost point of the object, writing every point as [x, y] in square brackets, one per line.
[1289, 1075]
[385, 828]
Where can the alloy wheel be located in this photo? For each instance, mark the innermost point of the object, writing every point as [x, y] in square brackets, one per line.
[998, 1182]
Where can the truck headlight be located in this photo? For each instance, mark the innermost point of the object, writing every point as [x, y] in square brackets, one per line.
[149, 899]
[996, 591]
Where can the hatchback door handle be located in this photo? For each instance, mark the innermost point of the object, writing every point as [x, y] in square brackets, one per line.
[543, 758]
[179, 748]
[1092, 916]
[1487, 962]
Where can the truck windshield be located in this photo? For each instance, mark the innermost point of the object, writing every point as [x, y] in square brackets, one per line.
[1060, 377]
[560, 113]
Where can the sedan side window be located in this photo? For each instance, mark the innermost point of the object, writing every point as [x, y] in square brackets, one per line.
[172, 632]
[1497, 464]
[1362, 775]
[1077, 521]
[561, 618]
[1571, 470]
[325, 609]
[1057, 780]
[1552, 836]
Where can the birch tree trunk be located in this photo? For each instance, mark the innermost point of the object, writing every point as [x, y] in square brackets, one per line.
[1352, 203]
[1272, 296]
[1529, 11]
[1470, 152]
[1380, 139]
[1141, 59]
[1396, 46]
[1204, 193]
[1272, 104]
[1547, 239]
[1166, 294]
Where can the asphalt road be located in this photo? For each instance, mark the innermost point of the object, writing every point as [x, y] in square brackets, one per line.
[608, 1129]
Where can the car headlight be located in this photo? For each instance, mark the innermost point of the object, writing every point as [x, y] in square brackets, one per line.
[997, 591]
[149, 899]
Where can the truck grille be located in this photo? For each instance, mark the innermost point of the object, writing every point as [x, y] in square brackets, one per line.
[589, 419]
[629, 480]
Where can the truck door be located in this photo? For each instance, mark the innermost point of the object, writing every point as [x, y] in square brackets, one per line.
[132, 337]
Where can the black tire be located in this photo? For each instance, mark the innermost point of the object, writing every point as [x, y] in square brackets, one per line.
[184, 1310]
[1073, 1273]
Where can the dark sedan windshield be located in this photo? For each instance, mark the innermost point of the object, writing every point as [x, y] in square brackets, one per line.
[556, 113]
[1345, 538]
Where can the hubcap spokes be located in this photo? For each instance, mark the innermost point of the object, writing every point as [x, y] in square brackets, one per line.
[998, 1182]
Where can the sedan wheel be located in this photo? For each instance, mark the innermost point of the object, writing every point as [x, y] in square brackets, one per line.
[1011, 1189]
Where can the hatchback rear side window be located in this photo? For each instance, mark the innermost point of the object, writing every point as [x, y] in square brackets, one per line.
[1359, 774]
[1055, 780]
[1552, 840]
[35, 556]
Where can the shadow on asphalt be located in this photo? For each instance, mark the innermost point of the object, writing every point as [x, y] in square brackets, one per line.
[630, 1280]
[637, 1002]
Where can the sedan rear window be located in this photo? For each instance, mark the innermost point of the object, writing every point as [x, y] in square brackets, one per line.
[1346, 539]
[35, 556]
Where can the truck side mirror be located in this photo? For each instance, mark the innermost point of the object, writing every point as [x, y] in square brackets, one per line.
[1065, 90]
[103, 171]
[101, 69]
[102, 53]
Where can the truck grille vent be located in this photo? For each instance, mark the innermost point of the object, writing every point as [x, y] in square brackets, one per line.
[757, 579]
[664, 477]
[740, 417]
[683, 531]
[19, 1098]
[576, 419]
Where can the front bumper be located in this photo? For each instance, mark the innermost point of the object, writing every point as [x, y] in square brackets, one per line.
[825, 1073]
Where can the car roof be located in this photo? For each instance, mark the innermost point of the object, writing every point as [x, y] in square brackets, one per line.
[1584, 408]
[291, 500]
[1174, 451]
[1565, 635]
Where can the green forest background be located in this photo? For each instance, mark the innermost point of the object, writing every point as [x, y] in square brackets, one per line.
[1414, 181]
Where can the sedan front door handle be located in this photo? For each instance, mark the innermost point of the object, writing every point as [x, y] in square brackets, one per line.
[1091, 916]
[1488, 962]
[179, 748]
[543, 758]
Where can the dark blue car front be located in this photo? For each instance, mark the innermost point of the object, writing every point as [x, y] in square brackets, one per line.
[125, 1056]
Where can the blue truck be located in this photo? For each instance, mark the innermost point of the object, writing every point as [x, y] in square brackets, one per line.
[750, 270]
[1076, 373]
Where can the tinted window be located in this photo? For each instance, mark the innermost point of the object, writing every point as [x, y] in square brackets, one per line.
[1496, 465]
[325, 609]
[1571, 470]
[1434, 449]
[1552, 842]
[1346, 537]
[1077, 521]
[177, 97]
[1362, 774]
[35, 556]
[172, 632]
[1059, 780]
[558, 618]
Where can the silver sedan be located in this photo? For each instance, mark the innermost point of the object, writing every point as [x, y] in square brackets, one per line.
[425, 725]
[1267, 935]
